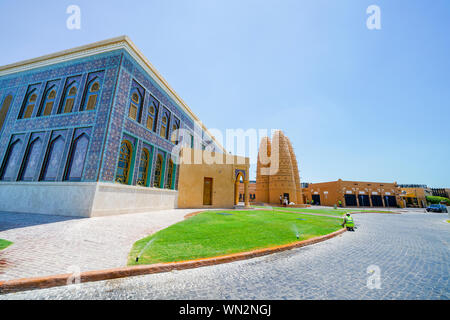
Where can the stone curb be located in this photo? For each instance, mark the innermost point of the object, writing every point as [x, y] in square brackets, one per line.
[17, 285]
[393, 212]
[187, 216]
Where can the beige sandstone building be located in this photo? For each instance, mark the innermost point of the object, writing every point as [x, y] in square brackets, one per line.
[414, 197]
[352, 194]
[212, 185]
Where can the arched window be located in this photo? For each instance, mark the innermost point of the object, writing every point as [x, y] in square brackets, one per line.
[69, 97]
[48, 102]
[164, 131]
[12, 160]
[31, 160]
[143, 168]
[175, 133]
[123, 167]
[4, 110]
[92, 95]
[53, 159]
[169, 180]
[77, 157]
[158, 169]
[31, 101]
[164, 127]
[135, 105]
[152, 116]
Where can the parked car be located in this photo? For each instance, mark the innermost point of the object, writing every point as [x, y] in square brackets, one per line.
[436, 208]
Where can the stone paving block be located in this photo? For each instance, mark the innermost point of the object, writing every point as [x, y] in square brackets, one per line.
[410, 249]
[48, 245]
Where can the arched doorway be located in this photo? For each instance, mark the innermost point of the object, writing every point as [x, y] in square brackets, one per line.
[237, 182]
[240, 176]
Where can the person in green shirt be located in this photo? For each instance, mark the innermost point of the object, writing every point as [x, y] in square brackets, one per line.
[348, 222]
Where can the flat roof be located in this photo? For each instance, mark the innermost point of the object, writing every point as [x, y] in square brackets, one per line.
[121, 42]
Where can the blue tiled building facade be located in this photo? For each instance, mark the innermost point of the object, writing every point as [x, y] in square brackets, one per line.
[101, 117]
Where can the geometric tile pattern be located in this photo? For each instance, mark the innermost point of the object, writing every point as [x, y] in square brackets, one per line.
[108, 122]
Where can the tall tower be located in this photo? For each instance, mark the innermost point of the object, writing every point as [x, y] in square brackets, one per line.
[282, 182]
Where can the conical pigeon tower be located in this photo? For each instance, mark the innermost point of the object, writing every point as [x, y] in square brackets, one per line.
[282, 183]
[283, 177]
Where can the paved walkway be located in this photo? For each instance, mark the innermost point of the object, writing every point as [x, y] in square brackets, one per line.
[411, 251]
[48, 245]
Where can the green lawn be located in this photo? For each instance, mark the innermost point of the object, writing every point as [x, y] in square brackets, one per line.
[210, 234]
[331, 212]
[4, 244]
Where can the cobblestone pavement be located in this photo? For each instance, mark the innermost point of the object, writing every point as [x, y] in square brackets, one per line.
[48, 245]
[411, 251]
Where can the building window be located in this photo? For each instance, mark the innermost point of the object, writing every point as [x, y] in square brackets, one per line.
[53, 159]
[164, 125]
[134, 107]
[12, 160]
[30, 100]
[158, 169]
[31, 159]
[4, 110]
[136, 100]
[169, 181]
[175, 133]
[91, 95]
[152, 116]
[68, 100]
[48, 102]
[29, 106]
[77, 156]
[123, 167]
[143, 168]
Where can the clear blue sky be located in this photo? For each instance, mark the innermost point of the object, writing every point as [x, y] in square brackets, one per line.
[357, 104]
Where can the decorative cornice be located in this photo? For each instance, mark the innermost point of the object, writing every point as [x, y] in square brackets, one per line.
[64, 56]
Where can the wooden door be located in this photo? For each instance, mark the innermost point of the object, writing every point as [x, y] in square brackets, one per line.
[207, 191]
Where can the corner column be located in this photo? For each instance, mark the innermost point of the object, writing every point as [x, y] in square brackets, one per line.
[246, 197]
[236, 193]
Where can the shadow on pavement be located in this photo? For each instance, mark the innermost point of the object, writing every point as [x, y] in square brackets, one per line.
[10, 220]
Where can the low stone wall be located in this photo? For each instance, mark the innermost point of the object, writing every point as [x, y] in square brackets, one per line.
[59, 198]
[82, 199]
[111, 199]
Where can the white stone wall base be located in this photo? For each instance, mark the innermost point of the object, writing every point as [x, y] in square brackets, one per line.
[83, 199]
